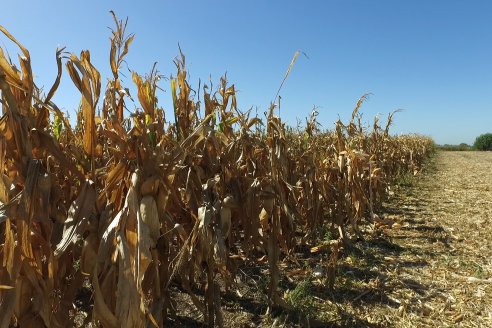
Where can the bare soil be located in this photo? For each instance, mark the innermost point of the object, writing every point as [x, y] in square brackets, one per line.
[433, 268]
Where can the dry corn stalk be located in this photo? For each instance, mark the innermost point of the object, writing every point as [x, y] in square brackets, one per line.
[135, 205]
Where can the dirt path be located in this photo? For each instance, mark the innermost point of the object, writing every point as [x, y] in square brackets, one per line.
[436, 270]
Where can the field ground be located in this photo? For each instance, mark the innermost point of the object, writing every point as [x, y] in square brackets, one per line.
[435, 271]
[432, 269]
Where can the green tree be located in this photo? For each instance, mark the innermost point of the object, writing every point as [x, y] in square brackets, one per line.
[483, 142]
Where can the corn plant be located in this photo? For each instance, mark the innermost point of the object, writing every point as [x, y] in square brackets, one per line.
[134, 204]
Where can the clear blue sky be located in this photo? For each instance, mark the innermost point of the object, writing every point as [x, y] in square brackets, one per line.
[431, 58]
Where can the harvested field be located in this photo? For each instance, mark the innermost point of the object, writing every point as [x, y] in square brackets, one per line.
[441, 277]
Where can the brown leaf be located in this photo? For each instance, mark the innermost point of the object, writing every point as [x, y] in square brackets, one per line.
[101, 310]
[89, 84]
[8, 249]
[78, 217]
[55, 85]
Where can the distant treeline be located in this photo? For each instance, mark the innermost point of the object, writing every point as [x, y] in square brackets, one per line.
[460, 147]
[482, 142]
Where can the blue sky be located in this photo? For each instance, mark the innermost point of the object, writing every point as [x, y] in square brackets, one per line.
[431, 58]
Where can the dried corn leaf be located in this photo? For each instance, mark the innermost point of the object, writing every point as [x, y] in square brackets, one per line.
[89, 84]
[101, 310]
[78, 217]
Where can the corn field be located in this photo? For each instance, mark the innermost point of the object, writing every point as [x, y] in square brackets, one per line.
[134, 203]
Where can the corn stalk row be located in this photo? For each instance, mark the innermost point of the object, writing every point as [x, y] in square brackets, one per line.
[132, 205]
